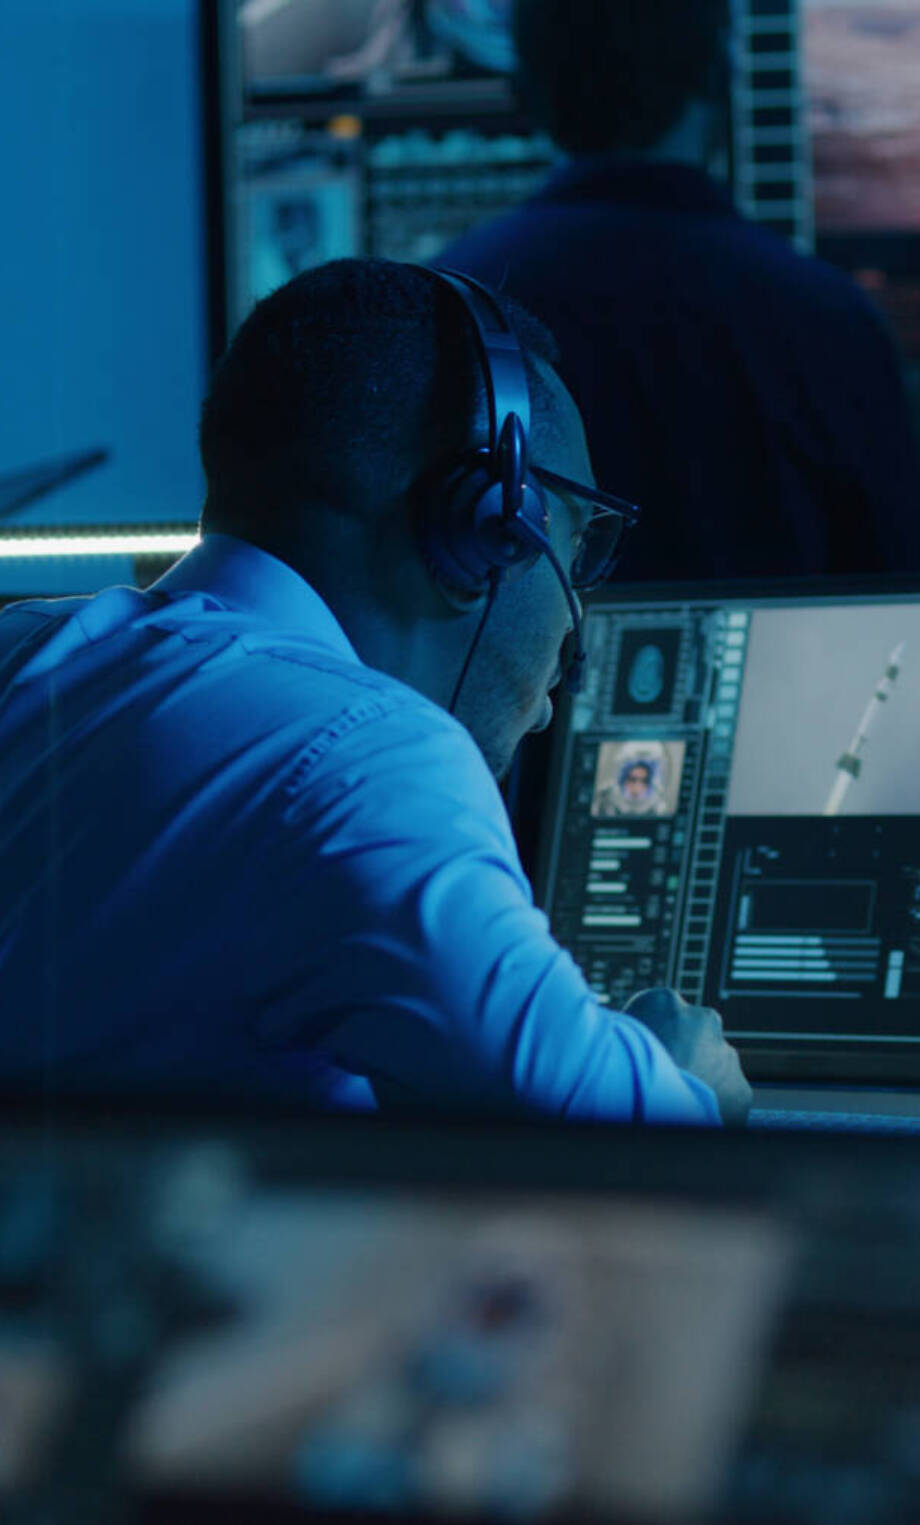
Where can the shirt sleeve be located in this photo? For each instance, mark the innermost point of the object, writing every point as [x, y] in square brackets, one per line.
[421, 961]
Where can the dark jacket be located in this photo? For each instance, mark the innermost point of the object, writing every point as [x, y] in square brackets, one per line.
[749, 398]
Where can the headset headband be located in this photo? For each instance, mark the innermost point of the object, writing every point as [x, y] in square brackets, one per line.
[504, 523]
[500, 355]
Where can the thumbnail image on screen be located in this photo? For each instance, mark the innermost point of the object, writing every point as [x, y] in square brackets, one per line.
[829, 722]
[294, 220]
[637, 778]
[862, 66]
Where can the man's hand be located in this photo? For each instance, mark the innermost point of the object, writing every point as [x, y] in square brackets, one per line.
[694, 1038]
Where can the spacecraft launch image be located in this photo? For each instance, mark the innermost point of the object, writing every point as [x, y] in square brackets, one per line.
[830, 720]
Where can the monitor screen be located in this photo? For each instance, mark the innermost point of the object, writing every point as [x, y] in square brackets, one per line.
[737, 814]
[371, 44]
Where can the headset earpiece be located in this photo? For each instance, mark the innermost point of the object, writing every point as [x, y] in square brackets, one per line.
[474, 522]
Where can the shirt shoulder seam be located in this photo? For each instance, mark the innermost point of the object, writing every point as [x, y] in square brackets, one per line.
[345, 724]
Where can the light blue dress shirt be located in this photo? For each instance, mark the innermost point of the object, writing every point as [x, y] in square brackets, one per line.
[237, 860]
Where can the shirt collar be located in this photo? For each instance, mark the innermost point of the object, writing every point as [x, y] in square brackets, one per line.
[637, 182]
[252, 581]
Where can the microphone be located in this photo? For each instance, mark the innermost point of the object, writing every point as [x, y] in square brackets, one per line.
[577, 670]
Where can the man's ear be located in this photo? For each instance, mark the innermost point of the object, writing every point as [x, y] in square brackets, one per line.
[460, 599]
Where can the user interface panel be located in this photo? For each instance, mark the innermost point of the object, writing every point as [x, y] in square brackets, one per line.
[738, 816]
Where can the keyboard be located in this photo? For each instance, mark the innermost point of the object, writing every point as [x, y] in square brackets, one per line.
[842, 1122]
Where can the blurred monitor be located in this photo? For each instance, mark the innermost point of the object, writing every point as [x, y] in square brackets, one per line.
[374, 127]
[861, 65]
[204, 1321]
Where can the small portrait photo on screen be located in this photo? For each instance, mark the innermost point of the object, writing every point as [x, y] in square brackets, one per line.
[637, 778]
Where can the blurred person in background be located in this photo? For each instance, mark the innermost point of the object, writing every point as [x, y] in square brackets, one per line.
[751, 398]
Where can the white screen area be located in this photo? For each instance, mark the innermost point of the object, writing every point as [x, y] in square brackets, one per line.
[809, 679]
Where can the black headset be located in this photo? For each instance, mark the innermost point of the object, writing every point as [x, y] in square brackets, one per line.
[487, 512]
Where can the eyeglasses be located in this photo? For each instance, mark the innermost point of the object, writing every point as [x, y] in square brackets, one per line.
[602, 539]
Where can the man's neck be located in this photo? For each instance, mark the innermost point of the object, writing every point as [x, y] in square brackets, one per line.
[409, 643]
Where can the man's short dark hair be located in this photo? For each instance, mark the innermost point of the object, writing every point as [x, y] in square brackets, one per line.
[616, 74]
[340, 391]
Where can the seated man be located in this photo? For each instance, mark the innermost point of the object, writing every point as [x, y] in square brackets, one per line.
[247, 849]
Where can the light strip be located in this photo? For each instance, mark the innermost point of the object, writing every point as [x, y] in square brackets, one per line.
[142, 543]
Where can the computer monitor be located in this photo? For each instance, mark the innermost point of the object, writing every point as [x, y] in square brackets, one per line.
[861, 62]
[204, 1320]
[385, 128]
[105, 323]
[735, 811]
